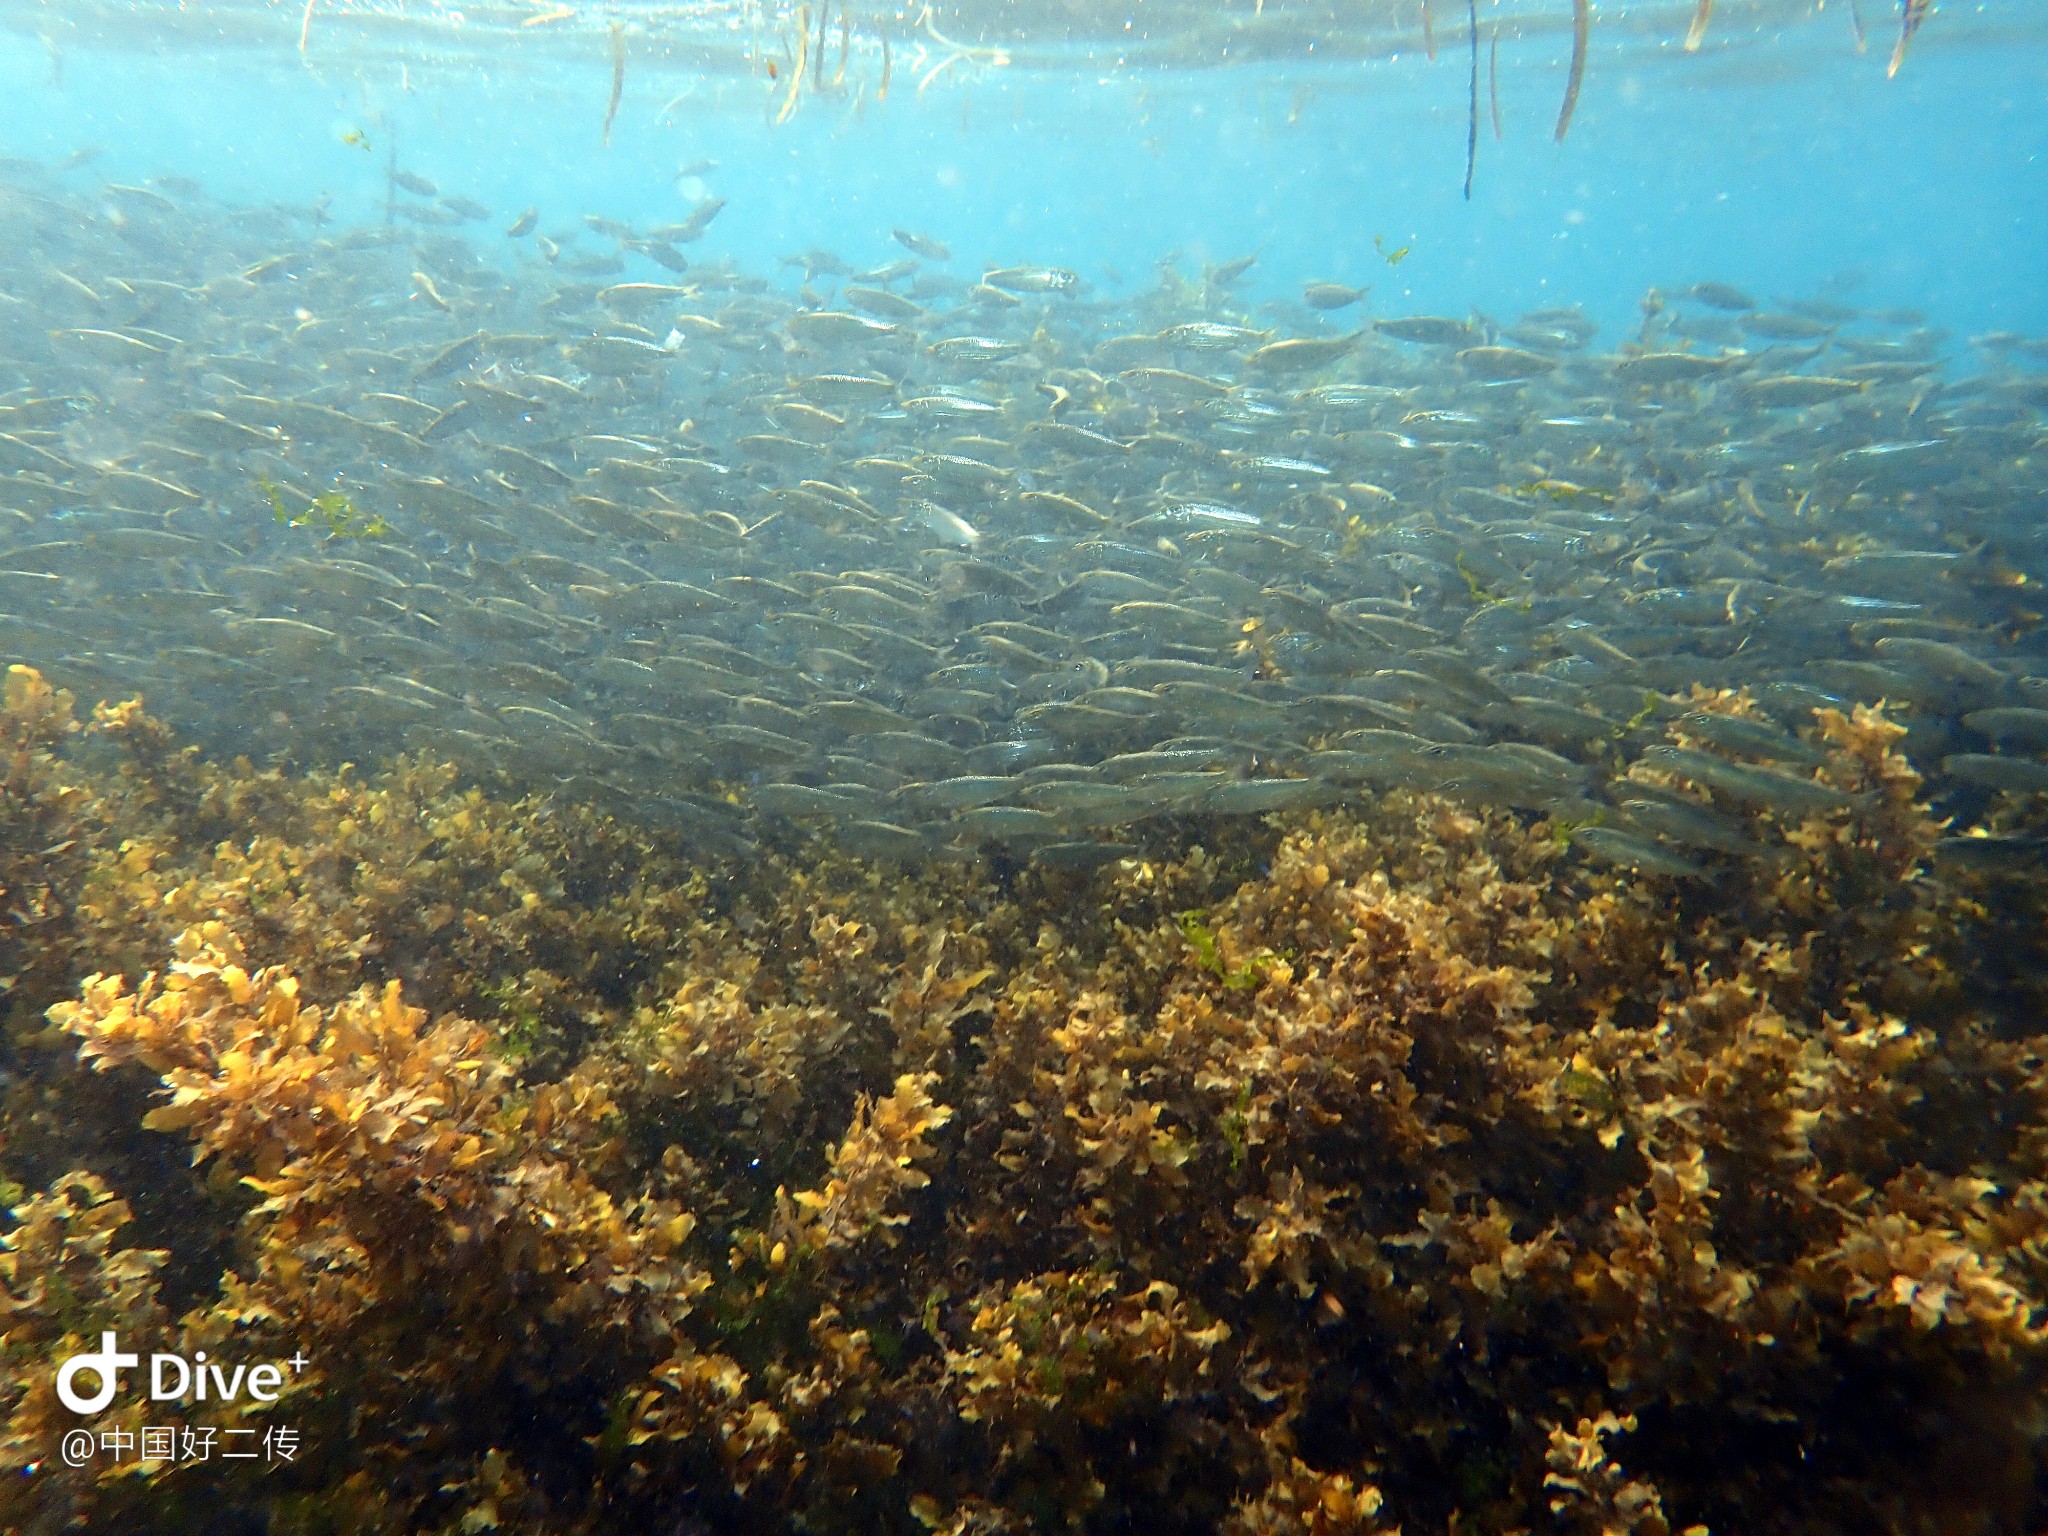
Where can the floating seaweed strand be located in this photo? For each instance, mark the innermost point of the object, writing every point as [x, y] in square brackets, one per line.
[611, 109]
[803, 53]
[807, 47]
[1582, 23]
[1493, 76]
[1911, 14]
[1697, 32]
[1472, 117]
[957, 53]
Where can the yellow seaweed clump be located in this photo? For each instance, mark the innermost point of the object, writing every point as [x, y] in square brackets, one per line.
[1591, 1493]
[65, 1280]
[396, 1215]
[1381, 1167]
[1054, 1358]
[877, 1161]
[43, 832]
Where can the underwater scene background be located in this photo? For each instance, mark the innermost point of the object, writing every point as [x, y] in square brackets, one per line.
[1257, 767]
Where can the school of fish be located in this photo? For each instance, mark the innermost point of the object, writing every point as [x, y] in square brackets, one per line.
[944, 560]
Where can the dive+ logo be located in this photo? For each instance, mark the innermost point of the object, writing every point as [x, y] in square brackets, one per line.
[172, 1378]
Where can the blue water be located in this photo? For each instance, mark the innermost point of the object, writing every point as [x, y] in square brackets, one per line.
[1787, 164]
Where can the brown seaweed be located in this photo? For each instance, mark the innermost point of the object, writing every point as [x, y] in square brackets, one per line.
[1582, 22]
[1911, 14]
[1472, 97]
[1696, 34]
[611, 106]
[1493, 77]
[1380, 1167]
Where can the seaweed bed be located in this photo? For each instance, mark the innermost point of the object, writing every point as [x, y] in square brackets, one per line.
[1377, 1168]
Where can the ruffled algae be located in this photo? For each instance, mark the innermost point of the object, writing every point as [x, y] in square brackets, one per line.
[1371, 1168]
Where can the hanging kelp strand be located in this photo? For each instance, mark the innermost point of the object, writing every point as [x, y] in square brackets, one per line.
[1493, 76]
[1582, 23]
[611, 107]
[1697, 32]
[1911, 14]
[1472, 98]
[803, 54]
